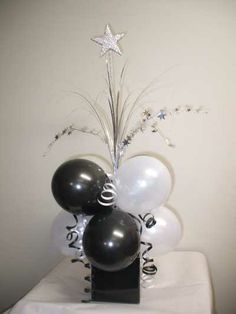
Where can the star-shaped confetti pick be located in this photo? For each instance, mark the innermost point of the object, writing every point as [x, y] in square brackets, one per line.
[109, 41]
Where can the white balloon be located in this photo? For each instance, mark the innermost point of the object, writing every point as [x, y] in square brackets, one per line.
[59, 231]
[165, 234]
[142, 183]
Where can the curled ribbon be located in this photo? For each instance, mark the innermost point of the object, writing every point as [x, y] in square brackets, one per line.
[73, 237]
[148, 219]
[87, 290]
[148, 267]
[109, 194]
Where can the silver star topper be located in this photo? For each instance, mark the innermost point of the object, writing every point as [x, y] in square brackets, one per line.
[109, 41]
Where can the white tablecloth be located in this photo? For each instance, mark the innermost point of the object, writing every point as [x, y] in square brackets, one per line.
[182, 285]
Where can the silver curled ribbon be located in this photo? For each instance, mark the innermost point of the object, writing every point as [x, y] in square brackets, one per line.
[109, 194]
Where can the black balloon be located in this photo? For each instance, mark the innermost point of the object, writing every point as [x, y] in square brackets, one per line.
[76, 186]
[111, 241]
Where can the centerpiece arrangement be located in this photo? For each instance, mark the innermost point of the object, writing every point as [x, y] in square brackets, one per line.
[112, 222]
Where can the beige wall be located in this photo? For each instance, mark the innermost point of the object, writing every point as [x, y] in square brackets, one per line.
[45, 52]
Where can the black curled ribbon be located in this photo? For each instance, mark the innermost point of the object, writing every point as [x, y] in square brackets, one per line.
[148, 219]
[148, 267]
[69, 228]
[73, 237]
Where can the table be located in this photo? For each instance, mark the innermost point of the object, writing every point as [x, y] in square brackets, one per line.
[181, 286]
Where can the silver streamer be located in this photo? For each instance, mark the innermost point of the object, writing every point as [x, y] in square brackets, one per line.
[121, 107]
[151, 120]
[71, 129]
[114, 124]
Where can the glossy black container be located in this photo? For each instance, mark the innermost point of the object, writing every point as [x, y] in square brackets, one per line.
[121, 286]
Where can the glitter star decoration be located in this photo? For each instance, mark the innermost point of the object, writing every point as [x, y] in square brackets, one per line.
[154, 128]
[109, 41]
[161, 115]
[126, 142]
[146, 114]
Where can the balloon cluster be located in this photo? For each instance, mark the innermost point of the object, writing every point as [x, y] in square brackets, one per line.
[109, 236]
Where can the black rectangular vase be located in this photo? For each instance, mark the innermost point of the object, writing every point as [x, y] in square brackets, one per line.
[121, 286]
